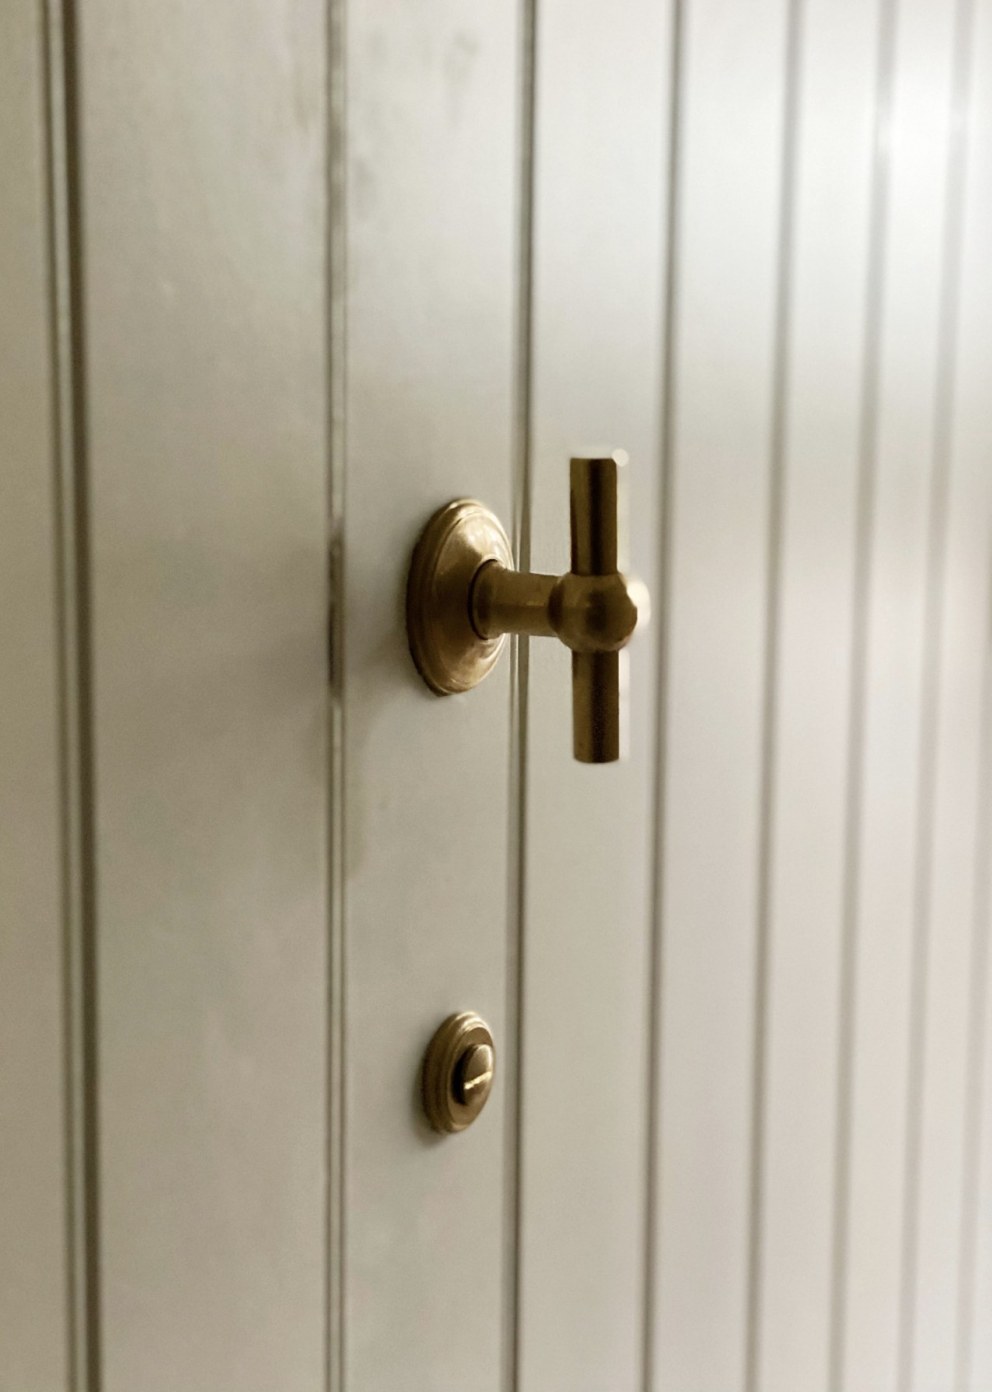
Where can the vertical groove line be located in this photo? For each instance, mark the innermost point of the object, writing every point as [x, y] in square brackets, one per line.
[67, 711]
[75, 675]
[519, 686]
[977, 1027]
[666, 532]
[67, 707]
[937, 554]
[769, 715]
[854, 773]
[336, 1228]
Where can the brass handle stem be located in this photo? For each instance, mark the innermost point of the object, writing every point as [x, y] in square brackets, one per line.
[463, 597]
[511, 601]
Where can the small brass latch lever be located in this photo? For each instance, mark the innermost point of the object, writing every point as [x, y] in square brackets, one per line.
[464, 597]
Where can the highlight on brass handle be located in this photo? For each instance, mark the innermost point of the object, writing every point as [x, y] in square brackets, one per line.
[464, 597]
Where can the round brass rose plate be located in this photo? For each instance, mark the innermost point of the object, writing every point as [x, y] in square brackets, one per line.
[458, 1072]
[457, 541]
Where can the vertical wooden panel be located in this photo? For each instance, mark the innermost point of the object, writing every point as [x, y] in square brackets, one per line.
[601, 113]
[893, 781]
[824, 341]
[971, 453]
[973, 1360]
[974, 1367]
[977, 1369]
[959, 581]
[203, 145]
[34, 1329]
[431, 276]
[729, 172]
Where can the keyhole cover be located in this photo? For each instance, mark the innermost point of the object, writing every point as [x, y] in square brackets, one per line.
[458, 1072]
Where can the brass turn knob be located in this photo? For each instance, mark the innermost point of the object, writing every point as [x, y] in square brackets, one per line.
[458, 1072]
[464, 597]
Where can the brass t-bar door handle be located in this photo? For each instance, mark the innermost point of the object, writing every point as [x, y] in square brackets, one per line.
[464, 597]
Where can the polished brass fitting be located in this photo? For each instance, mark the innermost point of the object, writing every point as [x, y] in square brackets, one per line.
[464, 597]
[458, 1071]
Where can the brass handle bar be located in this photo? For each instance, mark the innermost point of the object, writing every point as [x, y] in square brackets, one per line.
[464, 597]
[596, 673]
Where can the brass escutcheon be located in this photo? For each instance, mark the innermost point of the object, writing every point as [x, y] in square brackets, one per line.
[457, 542]
[458, 1072]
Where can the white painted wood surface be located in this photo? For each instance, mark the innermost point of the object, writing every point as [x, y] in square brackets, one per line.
[896, 783]
[430, 252]
[826, 216]
[958, 632]
[601, 111]
[728, 173]
[975, 1365]
[203, 152]
[34, 1311]
[972, 453]
[796, 957]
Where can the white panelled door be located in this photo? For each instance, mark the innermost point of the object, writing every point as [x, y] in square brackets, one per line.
[279, 279]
